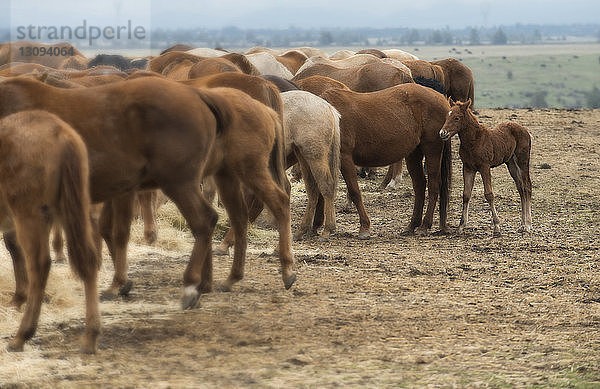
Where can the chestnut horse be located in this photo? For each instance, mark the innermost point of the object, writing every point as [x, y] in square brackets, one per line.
[380, 128]
[153, 133]
[44, 177]
[458, 79]
[482, 149]
[366, 78]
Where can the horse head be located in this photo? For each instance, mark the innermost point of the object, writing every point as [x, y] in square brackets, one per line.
[456, 119]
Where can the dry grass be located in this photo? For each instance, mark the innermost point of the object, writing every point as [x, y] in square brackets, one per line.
[394, 311]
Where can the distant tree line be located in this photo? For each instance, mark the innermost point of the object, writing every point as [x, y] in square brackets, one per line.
[400, 36]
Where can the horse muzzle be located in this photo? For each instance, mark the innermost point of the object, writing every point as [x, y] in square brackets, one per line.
[445, 135]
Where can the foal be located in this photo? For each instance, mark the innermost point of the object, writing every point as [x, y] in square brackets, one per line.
[482, 149]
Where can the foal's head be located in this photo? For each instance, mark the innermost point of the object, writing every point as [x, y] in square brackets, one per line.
[456, 119]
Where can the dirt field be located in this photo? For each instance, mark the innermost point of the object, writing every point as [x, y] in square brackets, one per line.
[394, 311]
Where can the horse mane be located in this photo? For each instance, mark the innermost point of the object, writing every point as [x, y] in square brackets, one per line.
[430, 83]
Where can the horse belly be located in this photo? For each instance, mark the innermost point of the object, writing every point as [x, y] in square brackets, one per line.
[383, 150]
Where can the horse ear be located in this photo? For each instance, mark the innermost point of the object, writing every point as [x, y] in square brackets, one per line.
[469, 102]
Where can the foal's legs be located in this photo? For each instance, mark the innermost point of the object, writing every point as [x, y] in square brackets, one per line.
[469, 181]
[230, 193]
[349, 174]
[33, 238]
[521, 179]
[201, 218]
[486, 177]
[21, 282]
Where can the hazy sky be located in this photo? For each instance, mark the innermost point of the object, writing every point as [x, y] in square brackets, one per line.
[305, 13]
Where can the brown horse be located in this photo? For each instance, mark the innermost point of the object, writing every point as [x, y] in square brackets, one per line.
[177, 47]
[482, 149]
[154, 133]
[43, 177]
[292, 60]
[366, 78]
[426, 70]
[458, 79]
[210, 66]
[319, 84]
[380, 128]
[375, 52]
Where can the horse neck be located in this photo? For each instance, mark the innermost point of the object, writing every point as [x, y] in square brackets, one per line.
[472, 129]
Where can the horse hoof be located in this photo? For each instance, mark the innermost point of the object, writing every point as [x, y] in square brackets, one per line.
[17, 302]
[89, 348]
[189, 297]
[289, 281]
[298, 237]
[497, 234]
[364, 235]
[15, 346]
[150, 237]
[524, 230]
[223, 288]
[125, 288]
[108, 295]
[421, 231]
[220, 250]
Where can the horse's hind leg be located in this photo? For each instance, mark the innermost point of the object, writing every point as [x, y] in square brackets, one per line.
[469, 181]
[146, 199]
[115, 230]
[414, 165]
[230, 193]
[432, 166]
[349, 174]
[58, 243]
[327, 187]
[312, 192]
[262, 184]
[393, 176]
[486, 177]
[201, 219]
[255, 207]
[20, 270]
[33, 238]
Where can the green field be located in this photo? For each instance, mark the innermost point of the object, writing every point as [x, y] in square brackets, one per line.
[560, 81]
[527, 76]
[510, 76]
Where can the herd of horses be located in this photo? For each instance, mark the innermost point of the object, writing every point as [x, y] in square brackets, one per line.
[81, 138]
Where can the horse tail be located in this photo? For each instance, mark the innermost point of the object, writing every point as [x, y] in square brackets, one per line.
[334, 152]
[74, 203]
[219, 106]
[446, 184]
[277, 157]
[472, 92]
